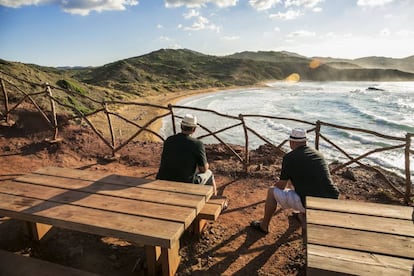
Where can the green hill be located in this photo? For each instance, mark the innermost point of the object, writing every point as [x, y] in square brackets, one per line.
[172, 70]
[168, 70]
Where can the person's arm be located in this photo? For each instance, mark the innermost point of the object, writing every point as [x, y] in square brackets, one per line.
[204, 168]
[281, 184]
[214, 188]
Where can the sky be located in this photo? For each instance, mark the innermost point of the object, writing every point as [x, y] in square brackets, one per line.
[98, 32]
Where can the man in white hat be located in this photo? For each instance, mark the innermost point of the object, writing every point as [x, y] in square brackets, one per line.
[306, 170]
[184, 157]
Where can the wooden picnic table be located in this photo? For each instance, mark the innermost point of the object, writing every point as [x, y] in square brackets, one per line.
[154, 213]
[346, 237]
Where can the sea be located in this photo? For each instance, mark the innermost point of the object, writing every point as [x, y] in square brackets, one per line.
[383, 107]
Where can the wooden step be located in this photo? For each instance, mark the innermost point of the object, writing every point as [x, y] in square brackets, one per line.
[210, 211]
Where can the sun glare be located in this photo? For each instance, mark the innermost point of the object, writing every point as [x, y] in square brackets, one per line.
[315, 63]
[294, 77]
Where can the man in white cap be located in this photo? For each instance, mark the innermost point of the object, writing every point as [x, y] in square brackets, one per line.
[307, 171]
[184, 157]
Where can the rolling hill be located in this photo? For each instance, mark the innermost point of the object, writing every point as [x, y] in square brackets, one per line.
[167, 70]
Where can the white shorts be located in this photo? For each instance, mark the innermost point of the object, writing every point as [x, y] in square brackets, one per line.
[205, 178]
[288, 199]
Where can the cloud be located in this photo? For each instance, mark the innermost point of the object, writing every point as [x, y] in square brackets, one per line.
[263, 4]
[303, 3]
[373, 3]
[80, 7]
[301, 33]
[164, 38]
[191, 13]
[160, 26]
[385, 32]
[202, 23]
[199, 3]
[19, 3]
[235, 37]
[406, 33]
[289, 15]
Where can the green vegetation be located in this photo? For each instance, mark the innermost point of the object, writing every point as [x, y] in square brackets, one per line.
[168, 71]
[71, 86]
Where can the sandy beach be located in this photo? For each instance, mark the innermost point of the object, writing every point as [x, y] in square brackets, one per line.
[143, 114]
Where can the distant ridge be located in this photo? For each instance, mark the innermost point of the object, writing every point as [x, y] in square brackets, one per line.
[169, 70]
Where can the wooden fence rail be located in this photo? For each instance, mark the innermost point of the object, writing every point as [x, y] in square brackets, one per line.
[116, 145]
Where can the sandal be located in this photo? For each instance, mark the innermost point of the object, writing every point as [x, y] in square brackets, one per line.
[256, 225]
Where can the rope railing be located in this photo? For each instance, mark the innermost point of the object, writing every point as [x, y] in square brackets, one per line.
[115, 144]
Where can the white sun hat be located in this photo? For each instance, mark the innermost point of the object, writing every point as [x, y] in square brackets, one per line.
[298, 135]
[189, 120]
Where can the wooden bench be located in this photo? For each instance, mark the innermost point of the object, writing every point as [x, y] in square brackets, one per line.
[211, 211]
[154, 213]
[17, 265]
[351, 237]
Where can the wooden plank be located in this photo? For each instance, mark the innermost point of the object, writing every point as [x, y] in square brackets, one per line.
[132, 228]
[359, 207]
[361, 222]
[356, 262]
[17, 265]
[185, 200]
[380, 243]
[203, 190]
[219, 200]
[180, 214]
[210, 211]
[179, 187]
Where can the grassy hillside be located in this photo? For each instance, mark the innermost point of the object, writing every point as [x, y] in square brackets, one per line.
[401, 64]
[29, 78]
[172, 70]
[168, 70]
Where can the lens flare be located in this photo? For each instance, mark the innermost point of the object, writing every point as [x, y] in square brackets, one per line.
[295, 77]
[315, 63]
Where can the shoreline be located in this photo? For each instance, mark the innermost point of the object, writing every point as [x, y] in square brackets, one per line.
[172, 98]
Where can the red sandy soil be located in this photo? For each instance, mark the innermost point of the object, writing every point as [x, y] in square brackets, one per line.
[227, 246]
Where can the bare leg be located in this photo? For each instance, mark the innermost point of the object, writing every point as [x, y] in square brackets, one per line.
[270, 208]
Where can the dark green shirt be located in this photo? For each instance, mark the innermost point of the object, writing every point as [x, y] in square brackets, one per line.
[309, 173]
[180, 157]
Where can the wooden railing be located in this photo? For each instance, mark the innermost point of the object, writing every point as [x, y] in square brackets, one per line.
[9, 86]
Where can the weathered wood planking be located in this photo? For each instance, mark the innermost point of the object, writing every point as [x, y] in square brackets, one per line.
[359, 238]
[358, 207]
[137, 193]
[184, 215]
[361, 222]
[381, 243]
[138, 229]
[350, 261]
[128, 181]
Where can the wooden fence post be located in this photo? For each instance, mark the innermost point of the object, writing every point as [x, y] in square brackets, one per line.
[6, 103]
[53, 109]
[172, 118]
[407, 168]
[246, 145]
[111, 129]
[317, 134]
